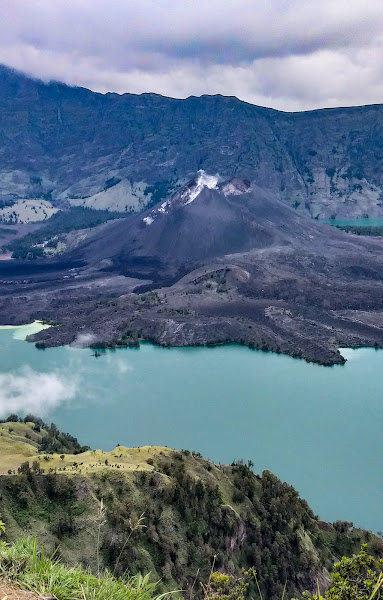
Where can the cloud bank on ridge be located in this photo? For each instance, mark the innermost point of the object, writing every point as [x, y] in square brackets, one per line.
[288, 54]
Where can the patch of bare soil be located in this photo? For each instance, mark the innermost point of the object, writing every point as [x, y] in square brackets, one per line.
[11, 591]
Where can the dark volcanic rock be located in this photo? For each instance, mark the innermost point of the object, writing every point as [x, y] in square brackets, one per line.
[208, 218]
[219, 261]
[196, 224]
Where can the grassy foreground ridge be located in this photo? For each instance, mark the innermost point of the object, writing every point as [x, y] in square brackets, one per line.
[359, 578]
[169, 513]
[24, 564]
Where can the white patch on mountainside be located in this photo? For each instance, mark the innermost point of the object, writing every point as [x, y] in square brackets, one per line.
[163, 207]
[27, 211]
[186, 195]
[125, 196]
[203, 180]
[236, 187]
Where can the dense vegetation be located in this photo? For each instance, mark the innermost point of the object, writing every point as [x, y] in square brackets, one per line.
[171, 513]
[175, 523]
[362, 230]
[161, 190]
[23, 563]
[60, 223]
[356, 578]
[51, 440]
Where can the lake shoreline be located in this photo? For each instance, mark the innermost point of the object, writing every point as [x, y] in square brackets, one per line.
[288, 416]
[40, 343]
[34, 328]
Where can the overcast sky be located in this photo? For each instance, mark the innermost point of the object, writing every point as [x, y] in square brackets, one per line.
[286, 54]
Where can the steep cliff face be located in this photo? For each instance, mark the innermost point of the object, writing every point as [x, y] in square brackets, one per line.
[70, 144]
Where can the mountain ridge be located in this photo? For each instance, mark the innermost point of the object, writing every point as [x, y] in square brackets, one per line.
[57, 82]
[247, 267]
[73, 145]
[194, 511]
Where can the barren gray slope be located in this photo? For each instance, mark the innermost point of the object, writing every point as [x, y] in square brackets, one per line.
[179, 232]
[222, 267]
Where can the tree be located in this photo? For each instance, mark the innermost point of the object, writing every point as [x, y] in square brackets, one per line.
[13, 418]
[36, 467]
[227, 587]
[342, 526]
[24, 468]
[356, 578]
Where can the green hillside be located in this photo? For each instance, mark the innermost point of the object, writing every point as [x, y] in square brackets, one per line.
[167, 512]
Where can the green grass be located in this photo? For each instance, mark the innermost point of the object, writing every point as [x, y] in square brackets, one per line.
[356, 578]
[19, 442]
[24, 564]
[88, 505]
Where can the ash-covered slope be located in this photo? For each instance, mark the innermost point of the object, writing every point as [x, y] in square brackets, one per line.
[204, 220]
[209, 218]
[71, 144]
[219, 261]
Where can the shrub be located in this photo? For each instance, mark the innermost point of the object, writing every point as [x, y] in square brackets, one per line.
[356, 578]
[23, 563]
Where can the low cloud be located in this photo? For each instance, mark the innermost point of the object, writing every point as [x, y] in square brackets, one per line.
[288, 54]
[30, 391]
[83, 340]
[123, 367]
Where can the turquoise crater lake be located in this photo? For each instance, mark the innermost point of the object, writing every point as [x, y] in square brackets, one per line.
[318, 428]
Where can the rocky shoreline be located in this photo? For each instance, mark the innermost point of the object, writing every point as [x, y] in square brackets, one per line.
[171, 319]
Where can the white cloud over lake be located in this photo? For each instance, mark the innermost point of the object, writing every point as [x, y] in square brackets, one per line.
[288, 54]
[83, 340]
[26, 390]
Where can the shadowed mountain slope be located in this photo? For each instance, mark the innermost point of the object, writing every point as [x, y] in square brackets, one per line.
[71, 144]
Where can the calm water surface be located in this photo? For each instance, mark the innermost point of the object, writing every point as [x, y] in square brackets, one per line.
[355, 222]
[318, 428]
